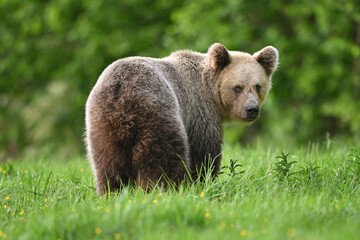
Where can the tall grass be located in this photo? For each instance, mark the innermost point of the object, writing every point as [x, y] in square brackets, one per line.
[317, 197]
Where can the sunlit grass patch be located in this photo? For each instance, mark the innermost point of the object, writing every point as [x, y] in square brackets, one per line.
[57, 200]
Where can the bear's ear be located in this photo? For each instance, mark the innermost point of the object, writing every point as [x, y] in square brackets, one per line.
[219, 56]
[268, 59]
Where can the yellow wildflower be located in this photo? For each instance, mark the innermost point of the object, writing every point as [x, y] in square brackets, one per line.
[266, 220]
[4, 171]
[222, 227]
[154, 201]
[82, 170]
[22, 212]
[160, 195]
[336, 206]
[291, 232]
[202, 194]
[98, 230]
[243, 233]
[107, 210]
[117, 236]
[129, 201]
[26, 171]
[207, 215]
[7, 198]
[45, 200]
[5, 206]
[1, 233]
[21, 218]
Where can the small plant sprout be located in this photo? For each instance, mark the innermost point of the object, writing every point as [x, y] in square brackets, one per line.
[309, 172]
[283, 168]
[232, 168]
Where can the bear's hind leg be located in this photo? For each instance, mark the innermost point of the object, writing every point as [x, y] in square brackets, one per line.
[161, 153]
[109, 159]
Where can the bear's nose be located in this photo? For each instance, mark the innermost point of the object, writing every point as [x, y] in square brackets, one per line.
[252, 111]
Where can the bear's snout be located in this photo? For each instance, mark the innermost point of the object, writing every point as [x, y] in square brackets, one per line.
[252, 112]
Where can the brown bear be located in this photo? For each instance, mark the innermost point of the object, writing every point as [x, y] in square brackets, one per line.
[152, 121]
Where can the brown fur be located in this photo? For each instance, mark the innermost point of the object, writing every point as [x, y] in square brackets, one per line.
[147, 120]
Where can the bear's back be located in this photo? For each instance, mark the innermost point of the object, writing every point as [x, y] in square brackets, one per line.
[136, 80]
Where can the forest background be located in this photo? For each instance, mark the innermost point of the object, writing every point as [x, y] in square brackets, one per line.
[52, 52]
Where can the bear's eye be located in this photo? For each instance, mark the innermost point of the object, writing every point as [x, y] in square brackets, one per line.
[238, 89]
[258, 88]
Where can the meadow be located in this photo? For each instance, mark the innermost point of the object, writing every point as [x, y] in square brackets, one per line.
[309, 192]
[52, 53]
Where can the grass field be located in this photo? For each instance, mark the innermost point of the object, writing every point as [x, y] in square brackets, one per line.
[266, 198]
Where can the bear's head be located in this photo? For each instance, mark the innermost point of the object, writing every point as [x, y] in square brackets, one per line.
[242, 81]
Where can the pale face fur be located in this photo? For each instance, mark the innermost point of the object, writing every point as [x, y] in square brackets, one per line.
[243, 80]
[244, 85]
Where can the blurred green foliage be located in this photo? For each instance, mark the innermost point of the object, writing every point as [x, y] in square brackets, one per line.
[51, 53]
